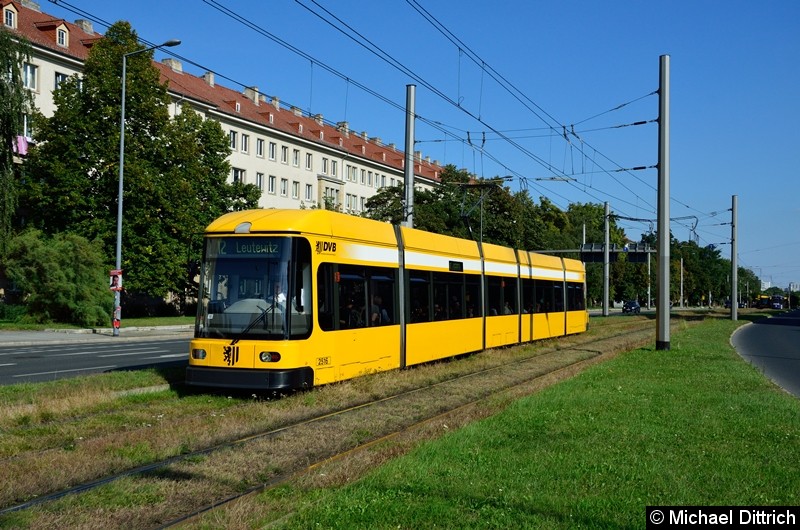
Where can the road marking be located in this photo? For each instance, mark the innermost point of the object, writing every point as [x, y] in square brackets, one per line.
[128, 354]
[88, 368]
[168, 356]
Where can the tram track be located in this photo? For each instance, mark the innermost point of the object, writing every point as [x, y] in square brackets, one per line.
[274, 456]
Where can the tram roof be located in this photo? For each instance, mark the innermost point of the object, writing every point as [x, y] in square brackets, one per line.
[319, 222]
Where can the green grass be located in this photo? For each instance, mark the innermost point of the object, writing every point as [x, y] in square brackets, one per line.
[695, 425]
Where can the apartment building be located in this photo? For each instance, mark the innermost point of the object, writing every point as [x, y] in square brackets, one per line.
[295, 159]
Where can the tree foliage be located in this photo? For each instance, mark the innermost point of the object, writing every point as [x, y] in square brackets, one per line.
[175, 170]
[514, 219]
[15, 103]
[63, 278]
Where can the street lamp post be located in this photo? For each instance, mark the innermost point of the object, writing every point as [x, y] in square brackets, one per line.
[117, 319]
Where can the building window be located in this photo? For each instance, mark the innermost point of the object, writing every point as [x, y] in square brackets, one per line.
[27, 131]
[10, 18]
[260, 181]
[232, 137]
[363, 201]
[61, 37]
[271, 184]
[363, 176]
[334, 165]
[332, 195]
[272, 150]
[238, 175]
[260, 147]
[245, 143]
[284, 187]
[369, 178]
[309, 192]
[324, 166]
[60, 78]
[309, 161]
[295, 189]
[296, 157]
[29, 72]
[284, 154]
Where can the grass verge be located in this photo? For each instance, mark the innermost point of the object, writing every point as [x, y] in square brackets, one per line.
[695, 425]
[13, 325]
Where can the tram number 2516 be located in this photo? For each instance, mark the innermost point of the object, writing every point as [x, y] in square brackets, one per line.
[323, 361]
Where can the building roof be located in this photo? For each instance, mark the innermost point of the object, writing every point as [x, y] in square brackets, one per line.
[40, 29]
[249, 105]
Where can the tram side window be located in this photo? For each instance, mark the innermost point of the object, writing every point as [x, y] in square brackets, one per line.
[558, 296]
[448, 296]
[509, 296]
[528, 296]
[575, 299]
[419, 296]
[382, 306]
[326, 301]
[494, 296]
[353, 302]
[544, 296]
[472, 295]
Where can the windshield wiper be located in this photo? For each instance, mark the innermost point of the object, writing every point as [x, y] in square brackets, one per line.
[259, 318]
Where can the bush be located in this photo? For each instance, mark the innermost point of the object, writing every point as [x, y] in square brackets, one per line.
[62, 278]
[11, 312]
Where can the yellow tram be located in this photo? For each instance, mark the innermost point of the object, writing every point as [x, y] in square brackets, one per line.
[290, 299]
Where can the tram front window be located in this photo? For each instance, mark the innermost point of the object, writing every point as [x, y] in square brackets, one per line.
[255, 288]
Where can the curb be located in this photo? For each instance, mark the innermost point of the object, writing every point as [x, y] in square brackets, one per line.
[110, 331]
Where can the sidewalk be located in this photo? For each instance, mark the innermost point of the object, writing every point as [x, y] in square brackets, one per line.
[67, 336]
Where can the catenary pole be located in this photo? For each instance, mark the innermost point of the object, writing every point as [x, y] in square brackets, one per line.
[606, 259]
[734, 262]
[662, 305]
[408, 214]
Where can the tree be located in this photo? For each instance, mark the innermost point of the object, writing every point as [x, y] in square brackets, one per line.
[16, 102]
[62, 278]
[174, 175]
[436, 210]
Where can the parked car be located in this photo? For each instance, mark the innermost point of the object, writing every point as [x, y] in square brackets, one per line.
[631, 306]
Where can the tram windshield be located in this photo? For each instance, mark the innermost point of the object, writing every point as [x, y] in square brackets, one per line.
[256, 288]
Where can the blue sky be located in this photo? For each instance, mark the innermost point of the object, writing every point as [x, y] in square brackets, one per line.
[498, 82]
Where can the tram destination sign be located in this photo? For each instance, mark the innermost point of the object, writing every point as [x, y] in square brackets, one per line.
[243, 247]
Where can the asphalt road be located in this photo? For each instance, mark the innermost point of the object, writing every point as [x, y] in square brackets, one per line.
[773, 345]
[28, 357]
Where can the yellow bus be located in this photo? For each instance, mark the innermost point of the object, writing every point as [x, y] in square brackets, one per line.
[290, 299]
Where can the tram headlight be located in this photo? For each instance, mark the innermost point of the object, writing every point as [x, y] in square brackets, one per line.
[269, 356]
[198, 354]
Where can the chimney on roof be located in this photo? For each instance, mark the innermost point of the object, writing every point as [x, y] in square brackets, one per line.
[377, 141]
[318, 118]
[364, 135]
[276, 102]
[251, 93]
[344, 127]
[174, 64]
[297, 111]
[417, 155]
[30, 4]
[85, 25]
[262, 98]
[393, 146]
[208, 77]
[428, 159]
